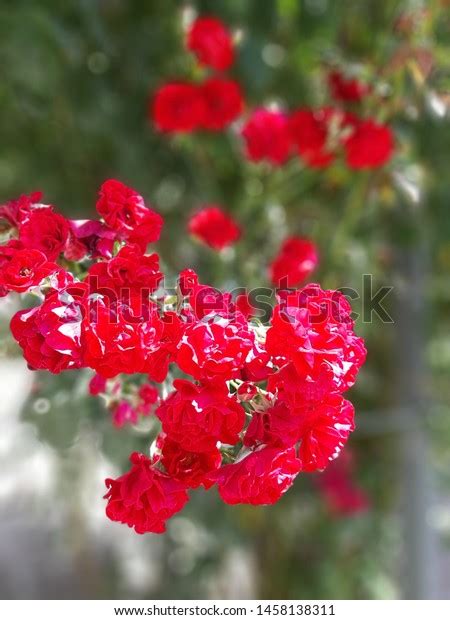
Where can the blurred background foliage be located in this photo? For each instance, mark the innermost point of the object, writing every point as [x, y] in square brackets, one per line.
[74, 96]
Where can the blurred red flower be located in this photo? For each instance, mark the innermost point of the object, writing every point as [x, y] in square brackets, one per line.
[345, 88]
[267, 136]
[296, 260]
[178, 107]
[214, 227]
[211, 42]
[223, 103]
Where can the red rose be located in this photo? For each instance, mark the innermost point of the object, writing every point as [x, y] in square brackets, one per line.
[215, 348]
[50, 335]
[21, 269]
[189, 468]
[346, 88]
[325, 431]
[223, 103]
[124, 210]
[313, 329]
[130, 270]
[46, 231]
[211, 42]
[267, 136]
[214, 227]
[14, 212]
[144, 498]
[297, 259]
[260, 478]
[322, 428]
[198, 416]
[178, 107]
[121, 334]
[309, 133]
[369, 146]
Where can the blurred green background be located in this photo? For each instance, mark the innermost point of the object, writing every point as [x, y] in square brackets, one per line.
[75, 83]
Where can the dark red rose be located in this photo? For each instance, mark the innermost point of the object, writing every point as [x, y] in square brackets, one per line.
[347, 89]
[124, 210]
[211, 42]
[45, 230]
[144, 497]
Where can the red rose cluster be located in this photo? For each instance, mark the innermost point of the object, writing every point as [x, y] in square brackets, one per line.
[318, 137]
[184, 106]
[263, 402]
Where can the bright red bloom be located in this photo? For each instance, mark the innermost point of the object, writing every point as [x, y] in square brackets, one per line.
[130, 270]
[321, 427]
[214, 227]
[267, 137]
[215, 348]
[309, 132]
[260, 478]
[326, 432]
[120, 335]
[144, 497]
[44, 230]
[124, 210]
[346, 88]
[296, 260]
[50, 335]
[178, 107]
[369, 146]
[190, 468]
[197, 417]
[14, 212]
[22, 268]
[211, 42]
[313, 329]
[223, 103]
